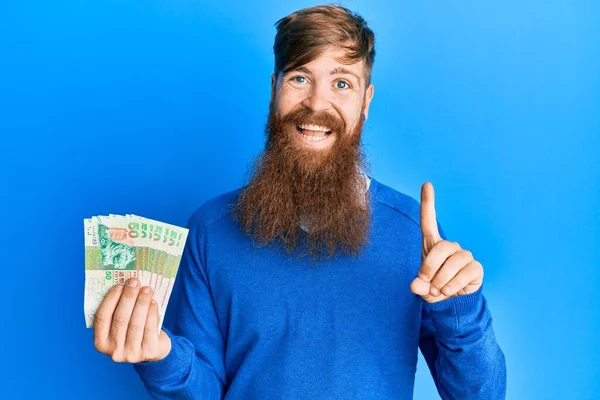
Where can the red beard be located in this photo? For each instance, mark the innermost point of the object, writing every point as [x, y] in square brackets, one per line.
[325, 186]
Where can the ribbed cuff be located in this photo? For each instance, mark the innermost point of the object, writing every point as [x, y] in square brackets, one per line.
[457, 316]
[460, 304]
[175, 365]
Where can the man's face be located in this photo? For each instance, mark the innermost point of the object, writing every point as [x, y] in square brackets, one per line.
[310, 170]
[326, 98]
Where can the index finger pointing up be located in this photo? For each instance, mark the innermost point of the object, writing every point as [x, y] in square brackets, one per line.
[429, 228]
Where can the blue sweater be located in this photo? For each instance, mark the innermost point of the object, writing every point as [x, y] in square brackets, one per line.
[251, 322]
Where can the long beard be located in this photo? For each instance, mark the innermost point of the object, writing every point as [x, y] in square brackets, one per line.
[324, 189]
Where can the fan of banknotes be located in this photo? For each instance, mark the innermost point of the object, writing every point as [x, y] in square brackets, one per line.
[120, 247]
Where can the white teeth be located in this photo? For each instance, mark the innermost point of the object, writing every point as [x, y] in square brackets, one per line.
[312, 138]
[314, 128]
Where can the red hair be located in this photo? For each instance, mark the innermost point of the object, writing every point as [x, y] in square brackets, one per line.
[303, 36]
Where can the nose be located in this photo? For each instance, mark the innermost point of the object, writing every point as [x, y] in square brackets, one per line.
[317, 99]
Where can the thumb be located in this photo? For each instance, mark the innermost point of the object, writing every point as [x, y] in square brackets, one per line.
[164, 344]
[420, 287]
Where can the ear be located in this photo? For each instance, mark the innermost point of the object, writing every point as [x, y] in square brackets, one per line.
[368, 97]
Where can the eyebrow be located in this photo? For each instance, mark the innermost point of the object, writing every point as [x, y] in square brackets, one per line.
[335, 71]
[345, 71]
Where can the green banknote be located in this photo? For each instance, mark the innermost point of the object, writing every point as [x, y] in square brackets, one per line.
[119, 247]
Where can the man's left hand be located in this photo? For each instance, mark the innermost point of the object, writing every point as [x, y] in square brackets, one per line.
[447, 270]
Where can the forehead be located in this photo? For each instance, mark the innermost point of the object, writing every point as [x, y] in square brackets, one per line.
[332, 58]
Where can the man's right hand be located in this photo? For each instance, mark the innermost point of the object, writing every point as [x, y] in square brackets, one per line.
[126, 325]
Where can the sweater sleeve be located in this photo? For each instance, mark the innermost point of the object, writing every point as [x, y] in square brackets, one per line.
[458, 343]
[194, 368]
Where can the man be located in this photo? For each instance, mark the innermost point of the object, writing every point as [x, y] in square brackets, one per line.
[314, 281]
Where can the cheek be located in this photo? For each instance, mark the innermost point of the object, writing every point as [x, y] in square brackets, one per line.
[351, 117]
[287, 100]
[349, 106]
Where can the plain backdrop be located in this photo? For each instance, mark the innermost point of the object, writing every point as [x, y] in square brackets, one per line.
[153, 107]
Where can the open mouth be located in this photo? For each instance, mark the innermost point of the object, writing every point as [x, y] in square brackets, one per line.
[313, 133]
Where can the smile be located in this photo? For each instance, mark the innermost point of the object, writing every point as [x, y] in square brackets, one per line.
[313, 133]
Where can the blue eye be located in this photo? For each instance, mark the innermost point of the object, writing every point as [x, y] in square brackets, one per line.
[299, 79]
[343, 83]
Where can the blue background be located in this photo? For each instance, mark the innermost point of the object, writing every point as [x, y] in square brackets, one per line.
[152, 107]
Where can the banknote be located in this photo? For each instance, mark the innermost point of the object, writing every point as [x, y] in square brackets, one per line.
[119, 247]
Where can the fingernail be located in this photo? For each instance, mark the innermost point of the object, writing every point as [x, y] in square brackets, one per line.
[118, 287]
[146, 289]
[132, 282]
[434, 291]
